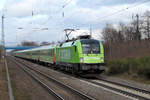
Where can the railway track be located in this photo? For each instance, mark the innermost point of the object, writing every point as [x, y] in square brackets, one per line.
[125, 90]
[130, 91]
[60, 90]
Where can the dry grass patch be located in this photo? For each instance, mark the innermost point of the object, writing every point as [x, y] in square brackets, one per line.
[4, 94]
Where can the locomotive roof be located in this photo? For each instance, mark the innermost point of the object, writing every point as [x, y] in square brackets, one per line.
[72, 43]
[67, 44]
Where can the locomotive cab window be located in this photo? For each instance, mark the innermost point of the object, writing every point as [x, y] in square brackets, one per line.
[90, 46]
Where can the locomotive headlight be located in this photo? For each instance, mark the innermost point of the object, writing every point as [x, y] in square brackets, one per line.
[81, 60]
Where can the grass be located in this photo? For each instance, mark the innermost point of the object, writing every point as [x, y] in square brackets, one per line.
[137, 69]
[4, 94]
[19, 92]
[133, 78]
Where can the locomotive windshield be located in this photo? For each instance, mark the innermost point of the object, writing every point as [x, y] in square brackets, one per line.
[90, 46]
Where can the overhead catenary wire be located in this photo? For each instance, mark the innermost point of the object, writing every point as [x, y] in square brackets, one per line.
[59, 11]
[127, 8]
[118, 11]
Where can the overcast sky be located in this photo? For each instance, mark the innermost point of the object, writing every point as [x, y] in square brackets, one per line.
[78, 14]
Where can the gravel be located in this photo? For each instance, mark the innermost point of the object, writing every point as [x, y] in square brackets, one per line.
[127, 82]
[90, 89]
[24, 87]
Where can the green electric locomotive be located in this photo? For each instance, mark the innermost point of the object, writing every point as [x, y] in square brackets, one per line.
[85, 55]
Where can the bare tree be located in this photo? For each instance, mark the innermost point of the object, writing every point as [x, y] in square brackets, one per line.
[28, 43]
[44, 43]
[136, 25]
[107, 33]
[128, 31]
[146, 24]
[53, 42]
[110, 34]
[121, 32]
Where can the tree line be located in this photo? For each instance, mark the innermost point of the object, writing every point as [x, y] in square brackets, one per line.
[32, 43]
[137, 29]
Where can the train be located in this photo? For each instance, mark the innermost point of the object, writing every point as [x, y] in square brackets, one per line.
[80, 56]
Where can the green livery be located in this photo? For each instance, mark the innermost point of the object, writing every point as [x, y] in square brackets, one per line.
[84, 55]
[43, 54]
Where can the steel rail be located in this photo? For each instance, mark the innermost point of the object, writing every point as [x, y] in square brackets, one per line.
[124, 90]
[86, 97]
[127, 86]
[142, 91]
[39, 81]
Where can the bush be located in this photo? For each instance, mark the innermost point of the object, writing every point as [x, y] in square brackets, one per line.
[144, 67]
[133, 66]
[116, 67]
